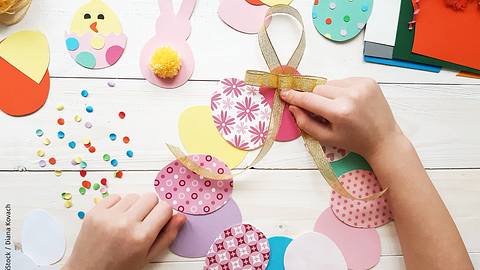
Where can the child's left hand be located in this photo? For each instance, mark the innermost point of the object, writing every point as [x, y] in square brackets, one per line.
[124, 233]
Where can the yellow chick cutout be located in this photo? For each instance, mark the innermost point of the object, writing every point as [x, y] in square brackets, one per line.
[96, 39]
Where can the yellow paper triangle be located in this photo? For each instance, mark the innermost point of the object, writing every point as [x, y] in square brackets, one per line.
[28, 52]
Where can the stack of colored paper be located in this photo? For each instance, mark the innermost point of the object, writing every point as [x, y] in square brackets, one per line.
[437, 36]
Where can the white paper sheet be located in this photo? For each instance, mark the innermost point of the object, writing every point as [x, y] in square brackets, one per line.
[382, 25]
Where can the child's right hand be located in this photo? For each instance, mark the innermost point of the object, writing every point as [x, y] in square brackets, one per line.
[357, 115]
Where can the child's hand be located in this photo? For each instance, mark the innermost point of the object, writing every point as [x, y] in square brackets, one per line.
[124, 233]
[358, 116]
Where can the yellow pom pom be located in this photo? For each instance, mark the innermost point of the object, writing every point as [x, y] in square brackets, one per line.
[165, 63]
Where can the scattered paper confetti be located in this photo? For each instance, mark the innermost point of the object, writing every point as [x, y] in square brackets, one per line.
[89, 109]
[106, 157]
[68, 204]
[40, 153]
[42, 163]
[60, 134]
[66, 196]
[61, 121]
[81, 214]
[88, 125]
[96, 186]
[86, 184]
[46, 141]
[111, 84]
[114, 162]
[126, 139]
[118, 174]
[112, 136]
[84, 93]
[60, 107]
[83, 173]
[82, 190]
[129, 153]
[83, 164]
[58, 173]
[77, 118]
[121, 115]
[52, 161]
[39, 132]
[72, 144]
[103, 181]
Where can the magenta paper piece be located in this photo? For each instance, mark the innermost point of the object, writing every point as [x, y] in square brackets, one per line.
[242, 16]
[199, 232]
[239, 247]
[190, 193]
[172, 30]
[84, 54]
[358, 213]
[360, 247]
[313, 251]
[241, 114]
[334, 153]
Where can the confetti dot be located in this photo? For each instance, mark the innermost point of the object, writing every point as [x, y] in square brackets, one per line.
[77, 159]
[86, 184]
[83, 164]
[114, 162]
[111, 84]
[42, 163]
[121, 115]
[61, 135]
[40, 153]
[82, 190]
[105, 194]
[328, 20]
[360, 25]
[103, 190]
[66, 196]
[346, 18]
[86, 141]
[52, 161]
[88, 125]
[61, 121]
[106, 157]
[314, 15]
[118, 174]
[92, 149]
[60, 107]
[89, 109]
[46, 141]
[39, 132]
[68, 204]
[365, 8]
[96, 186]
[81, 214]
[113, 136]
[129, 153]
[72, 144]
[126, 139]
[58, 173]
[84, 93]
[343, 32]
[83, 173]
[332, 5]
[77, 118]
[103, 181]
[96, 200]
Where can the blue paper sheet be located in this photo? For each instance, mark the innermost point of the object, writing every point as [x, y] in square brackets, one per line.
[403, 64]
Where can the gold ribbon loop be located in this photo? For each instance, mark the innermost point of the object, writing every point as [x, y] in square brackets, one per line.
[282, 81]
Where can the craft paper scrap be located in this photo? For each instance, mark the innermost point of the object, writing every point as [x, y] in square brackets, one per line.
[360, 247]
[239, 247]
[241, 114]
[242, 16]
[199, 232]
[356, 213]
[402, 64]
[166, 60]
[190, 193]
[96, 39]
[468, 75]
[383, 23]
[377, 50]
[436, 21]
[278, 246]
[313, 251]
[199, 136]
[341, 20]
[43, 238]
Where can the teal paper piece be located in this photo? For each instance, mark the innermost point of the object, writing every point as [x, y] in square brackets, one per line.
[349, 163]
[341, 20]
[278, 246]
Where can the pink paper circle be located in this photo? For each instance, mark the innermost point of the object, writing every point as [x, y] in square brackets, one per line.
[190, 193]
[334, 153]
[241, 114]
[198, 233]
[239, 247]
[358, 213]
[360, 247]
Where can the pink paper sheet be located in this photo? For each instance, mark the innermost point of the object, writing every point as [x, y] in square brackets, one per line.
[242, 16]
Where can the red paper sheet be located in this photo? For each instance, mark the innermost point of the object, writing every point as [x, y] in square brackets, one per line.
[448, 35]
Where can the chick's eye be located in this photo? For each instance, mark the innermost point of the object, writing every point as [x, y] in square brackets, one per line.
[100, 17]
[87, 16]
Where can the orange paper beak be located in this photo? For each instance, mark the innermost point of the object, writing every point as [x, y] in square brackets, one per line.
[93, 26]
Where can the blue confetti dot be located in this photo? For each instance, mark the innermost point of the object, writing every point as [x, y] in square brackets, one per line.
[72, 144]
[72, 44]
[83, 164]
[365, 8]
[114, 162]
[89, 109]
[86, 59]
[84, 93]
[61, 135]
[129, 153]
[81, 214]
[113, 136]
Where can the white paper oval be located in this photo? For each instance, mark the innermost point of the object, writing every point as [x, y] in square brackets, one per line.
[313, 251]
[43, 238]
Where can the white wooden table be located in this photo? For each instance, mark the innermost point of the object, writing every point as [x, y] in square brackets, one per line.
[439, 112]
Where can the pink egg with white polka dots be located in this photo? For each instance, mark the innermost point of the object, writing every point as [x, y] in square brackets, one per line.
[356, 213]
[190, 193]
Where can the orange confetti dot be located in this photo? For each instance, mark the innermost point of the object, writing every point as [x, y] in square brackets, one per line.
[61, 121]
[52, 161]
[86, 184]
[118, 174]
[92, 149]
[126, 139]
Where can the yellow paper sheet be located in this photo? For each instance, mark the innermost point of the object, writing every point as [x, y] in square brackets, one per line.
[200, 136]
[276, 2]
[28, 52]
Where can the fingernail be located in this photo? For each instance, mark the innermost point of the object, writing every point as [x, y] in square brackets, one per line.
[284, 93]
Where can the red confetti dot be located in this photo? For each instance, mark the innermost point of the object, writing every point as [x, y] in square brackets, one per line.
[118, 174]
[126, 139]
[61, 121]
[92, 149]
[52, 161]
[86, 184]
[328, 21]
[103, 181]
[121, 115]
[87, 145]
[83, 173]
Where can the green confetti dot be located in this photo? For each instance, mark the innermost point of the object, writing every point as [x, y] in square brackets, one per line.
[104, 195]
[82, 190]
[96, 186]
[346, 18]
[83, 164]
[106, 157]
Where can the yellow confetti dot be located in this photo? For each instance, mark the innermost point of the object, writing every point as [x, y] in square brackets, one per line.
[96, 200]
[97, 42]
[68, 204]
[77, 159]
[86, 141]
[46, 141]
[77, 118]
[67, 196]
[328, 35]
[58, 173]
[60, 107]
[40, 153]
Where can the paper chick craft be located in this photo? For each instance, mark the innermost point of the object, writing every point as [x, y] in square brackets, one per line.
[96, 39]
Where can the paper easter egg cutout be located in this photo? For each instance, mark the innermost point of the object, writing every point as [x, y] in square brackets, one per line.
[242, 16]
[96, 39]
[25, 79]
[341, 20]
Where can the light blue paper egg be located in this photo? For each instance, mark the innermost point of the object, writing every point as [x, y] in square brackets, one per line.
[341, 20]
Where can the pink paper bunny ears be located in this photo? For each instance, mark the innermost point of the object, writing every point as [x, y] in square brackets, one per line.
[166, 59]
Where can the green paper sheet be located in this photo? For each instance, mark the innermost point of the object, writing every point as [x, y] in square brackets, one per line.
[404, 43]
